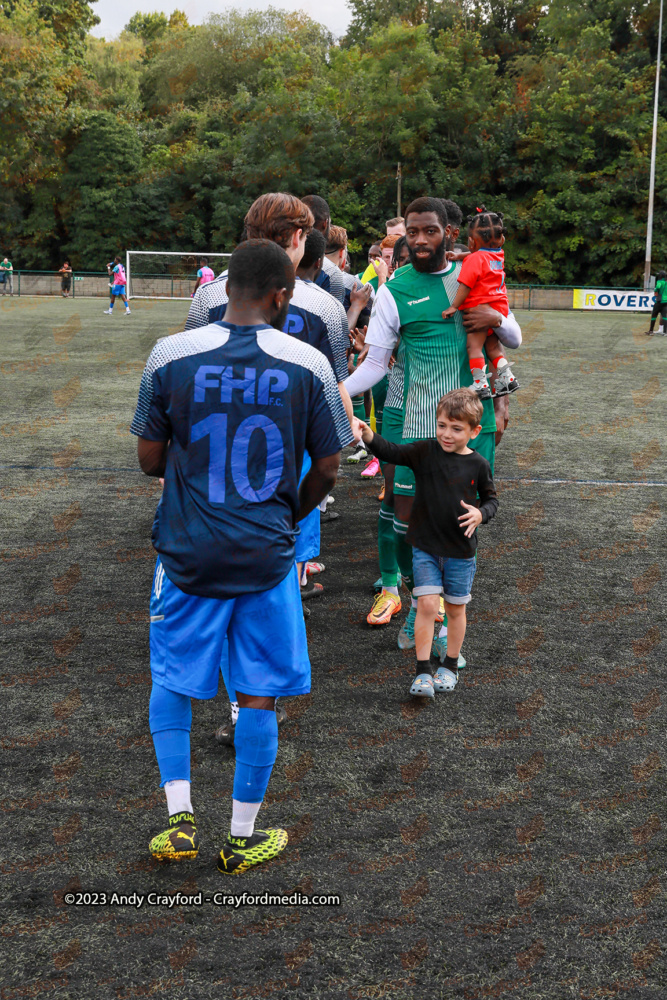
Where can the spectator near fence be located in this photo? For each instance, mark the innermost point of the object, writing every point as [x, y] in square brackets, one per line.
[7, 276]
[65, 273]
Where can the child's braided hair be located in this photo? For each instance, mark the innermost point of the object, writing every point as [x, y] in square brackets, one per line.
[490, 224]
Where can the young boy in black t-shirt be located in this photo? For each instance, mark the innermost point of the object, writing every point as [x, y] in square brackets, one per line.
[449, 476]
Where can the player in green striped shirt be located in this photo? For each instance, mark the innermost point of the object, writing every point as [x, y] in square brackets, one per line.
[410, 307]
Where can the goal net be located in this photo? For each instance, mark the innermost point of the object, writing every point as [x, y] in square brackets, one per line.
[168, 275]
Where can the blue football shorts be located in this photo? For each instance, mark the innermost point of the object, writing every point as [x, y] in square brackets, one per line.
[307, 541]
[268, 651]
[118, 289]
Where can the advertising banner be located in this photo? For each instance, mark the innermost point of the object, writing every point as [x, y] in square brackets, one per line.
[601, 298]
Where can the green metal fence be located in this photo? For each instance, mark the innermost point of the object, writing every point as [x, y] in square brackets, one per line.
[19, 282]
[96, 284]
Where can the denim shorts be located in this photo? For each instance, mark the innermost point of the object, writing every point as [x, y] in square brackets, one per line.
[442, 575]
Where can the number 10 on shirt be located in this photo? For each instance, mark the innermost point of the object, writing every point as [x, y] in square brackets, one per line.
[215, 428]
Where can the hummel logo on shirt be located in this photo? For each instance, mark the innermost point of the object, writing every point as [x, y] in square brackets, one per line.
[415, 302]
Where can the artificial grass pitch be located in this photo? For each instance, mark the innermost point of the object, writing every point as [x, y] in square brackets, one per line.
[505, 841]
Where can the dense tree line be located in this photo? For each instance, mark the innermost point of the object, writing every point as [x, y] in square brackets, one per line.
[162, 138]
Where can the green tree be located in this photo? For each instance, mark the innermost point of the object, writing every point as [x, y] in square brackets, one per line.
[147, 27]
[116, 67]
[227, 52]
[368, 17]
[36, 79]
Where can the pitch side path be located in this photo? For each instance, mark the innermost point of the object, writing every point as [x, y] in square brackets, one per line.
[507, 841]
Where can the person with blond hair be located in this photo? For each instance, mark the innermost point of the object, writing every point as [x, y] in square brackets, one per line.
[395, 227]
[357, 297]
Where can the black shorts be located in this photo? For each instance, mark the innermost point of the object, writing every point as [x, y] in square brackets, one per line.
[659, 309]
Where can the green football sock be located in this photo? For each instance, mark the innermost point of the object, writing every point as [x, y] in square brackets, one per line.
[358, 407]
[403, 553]
[387, 547]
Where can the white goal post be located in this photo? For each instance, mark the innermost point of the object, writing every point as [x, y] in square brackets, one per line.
[168, 274]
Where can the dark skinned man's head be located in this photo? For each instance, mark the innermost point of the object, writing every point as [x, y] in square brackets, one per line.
[427, 232]
[261, 273]
[313, 253]
[455, 217]
[321, 211]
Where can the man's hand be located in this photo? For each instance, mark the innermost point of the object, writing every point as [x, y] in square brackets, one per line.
[359, 338]
[361, 295]
[382, 270]
[359, 428]
[480, 318]
[470, 520]
[359, 298]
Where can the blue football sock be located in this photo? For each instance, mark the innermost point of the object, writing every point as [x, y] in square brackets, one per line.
[256, 743]
[170, 720]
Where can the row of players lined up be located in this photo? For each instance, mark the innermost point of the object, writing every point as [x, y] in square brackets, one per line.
[245, 415]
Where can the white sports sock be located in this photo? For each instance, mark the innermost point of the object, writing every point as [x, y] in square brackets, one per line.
[243, 818]
[178, 796]
[414, 603]
[502, 363]
[442, 634]
[323, 505]
[391, 590]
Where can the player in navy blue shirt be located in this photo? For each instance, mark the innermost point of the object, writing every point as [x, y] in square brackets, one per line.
[225, 414]
[314, 317]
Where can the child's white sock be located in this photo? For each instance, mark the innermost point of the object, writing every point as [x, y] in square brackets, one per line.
[243, 818]
[178, 796]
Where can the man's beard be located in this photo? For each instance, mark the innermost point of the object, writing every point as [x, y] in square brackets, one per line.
[434, 262]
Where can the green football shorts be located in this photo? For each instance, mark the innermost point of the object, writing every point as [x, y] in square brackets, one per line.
[392, 430]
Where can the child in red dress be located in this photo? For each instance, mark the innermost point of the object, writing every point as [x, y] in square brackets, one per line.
[482, 282]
